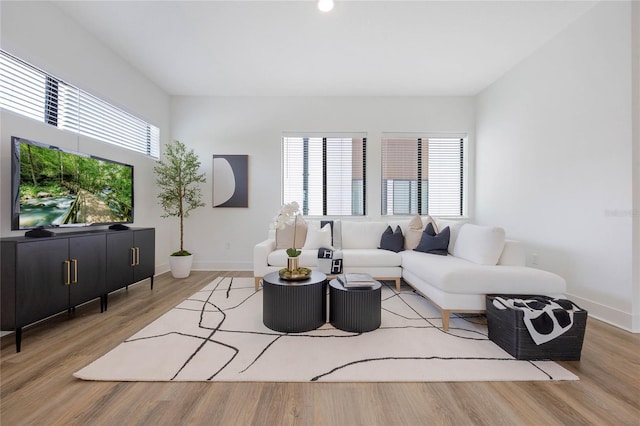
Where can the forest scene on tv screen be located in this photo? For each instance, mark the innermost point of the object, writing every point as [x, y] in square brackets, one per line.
[58, 188]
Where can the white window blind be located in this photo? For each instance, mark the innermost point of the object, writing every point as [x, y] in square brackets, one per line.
[29, 91]
[22, 88]
[325, 175]
[423, 175]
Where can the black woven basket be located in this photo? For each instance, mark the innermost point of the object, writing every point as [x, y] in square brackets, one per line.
[507, 330]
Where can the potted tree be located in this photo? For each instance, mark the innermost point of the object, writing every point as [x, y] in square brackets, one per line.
[178, 179]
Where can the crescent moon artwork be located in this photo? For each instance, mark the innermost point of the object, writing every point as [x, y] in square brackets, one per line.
[230, 181]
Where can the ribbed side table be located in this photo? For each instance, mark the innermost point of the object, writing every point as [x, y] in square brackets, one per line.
[294, 306]
[355, 309]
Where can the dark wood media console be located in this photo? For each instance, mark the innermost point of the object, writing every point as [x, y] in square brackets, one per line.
[41, 277]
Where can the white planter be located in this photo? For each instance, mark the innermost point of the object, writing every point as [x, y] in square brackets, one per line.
[180, 266]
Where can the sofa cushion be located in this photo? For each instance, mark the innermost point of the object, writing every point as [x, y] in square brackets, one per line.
[392, 240]
[317, 237]
[351, 257]
[454, 229]
[455, 275]
[284, 236]
[361, 234]
[434, 243]
[370, 257]
[479, 244]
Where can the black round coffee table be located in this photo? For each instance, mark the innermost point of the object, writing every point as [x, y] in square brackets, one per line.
[294, 306]
[355, 309]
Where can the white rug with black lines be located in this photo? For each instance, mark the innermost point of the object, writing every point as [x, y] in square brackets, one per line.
[217, 334]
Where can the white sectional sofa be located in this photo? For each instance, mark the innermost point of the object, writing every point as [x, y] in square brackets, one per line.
[480, 261]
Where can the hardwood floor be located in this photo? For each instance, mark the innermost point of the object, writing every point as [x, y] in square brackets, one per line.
[37, 386]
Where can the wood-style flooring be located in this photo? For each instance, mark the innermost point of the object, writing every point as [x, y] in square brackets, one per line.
[37, 386]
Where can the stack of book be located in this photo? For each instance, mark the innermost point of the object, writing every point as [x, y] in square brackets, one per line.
[356, 280]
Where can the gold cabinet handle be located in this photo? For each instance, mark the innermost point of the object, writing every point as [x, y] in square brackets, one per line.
[75, 270]
[68, 279]
[133, 256]
[137, 255]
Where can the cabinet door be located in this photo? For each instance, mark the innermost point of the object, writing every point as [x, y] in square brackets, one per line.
[42, 281]
[88, 256]
[120, 260]
[145, 243]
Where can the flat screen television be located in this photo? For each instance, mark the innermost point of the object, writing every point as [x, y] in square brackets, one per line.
[52, 187]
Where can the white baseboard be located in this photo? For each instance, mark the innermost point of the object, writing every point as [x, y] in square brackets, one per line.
[615, 317]
[162, 268]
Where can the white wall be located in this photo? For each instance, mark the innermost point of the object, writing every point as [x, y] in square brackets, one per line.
[223, 238]
[38, 33]
[554, 159]
[635, 75]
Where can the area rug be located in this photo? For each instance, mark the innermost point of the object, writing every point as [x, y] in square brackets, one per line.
[218, 335]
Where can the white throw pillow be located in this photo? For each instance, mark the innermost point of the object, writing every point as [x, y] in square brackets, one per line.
[479, 244]
[362, 235]
[413, 233]
[317, 238]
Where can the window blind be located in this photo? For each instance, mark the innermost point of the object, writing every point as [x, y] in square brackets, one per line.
[423, 175]
[22, 88]
[31, 92]
[325, 175]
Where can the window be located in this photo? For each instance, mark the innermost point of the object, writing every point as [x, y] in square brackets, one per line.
[29, 91]
[325, 174]
[423, 175]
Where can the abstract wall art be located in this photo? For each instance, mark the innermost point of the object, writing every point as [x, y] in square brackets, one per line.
[230, 181]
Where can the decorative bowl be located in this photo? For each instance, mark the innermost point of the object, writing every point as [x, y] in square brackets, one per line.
[294, 275]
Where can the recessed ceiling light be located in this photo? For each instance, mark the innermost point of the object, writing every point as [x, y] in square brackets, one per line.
[325, 5]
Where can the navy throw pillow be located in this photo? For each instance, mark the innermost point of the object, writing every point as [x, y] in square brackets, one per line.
[433, 243]
[391, 240]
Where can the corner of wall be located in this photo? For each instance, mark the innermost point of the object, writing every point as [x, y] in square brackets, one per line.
[526, 164]
[635, 120]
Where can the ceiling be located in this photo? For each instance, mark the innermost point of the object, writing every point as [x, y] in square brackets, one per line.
[290, 48]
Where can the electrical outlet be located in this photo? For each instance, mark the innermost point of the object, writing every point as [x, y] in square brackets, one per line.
[534, 259]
